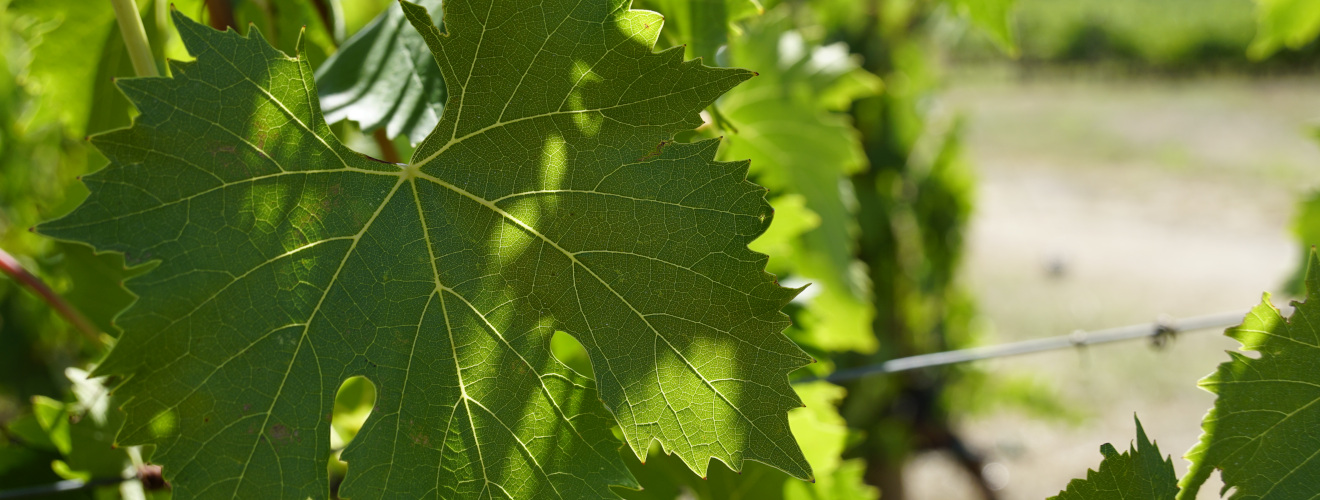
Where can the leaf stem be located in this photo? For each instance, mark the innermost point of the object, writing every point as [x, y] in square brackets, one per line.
[388, 152]
[11, 267]
[222, 14]
[135, 37]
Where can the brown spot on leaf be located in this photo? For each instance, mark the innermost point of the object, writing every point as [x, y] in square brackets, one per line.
[279, 432]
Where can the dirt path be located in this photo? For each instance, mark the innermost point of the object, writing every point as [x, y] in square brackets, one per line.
[1104, 204]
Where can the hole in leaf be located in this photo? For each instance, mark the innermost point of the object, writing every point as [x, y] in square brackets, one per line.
[570, 352]
[353, 404]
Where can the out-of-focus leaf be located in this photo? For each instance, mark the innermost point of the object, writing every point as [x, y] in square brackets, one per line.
[97, 280]
[1284, 23]
[797, 145]
[285, 22]
[1306, 227]
[702, 25]
[792, 220]
[1261, 434]
[1139, 473]
[84, 430]
[81, 39]
[385, 77]
[994, 17]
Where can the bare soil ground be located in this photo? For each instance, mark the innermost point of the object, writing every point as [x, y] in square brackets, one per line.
[1144, 198]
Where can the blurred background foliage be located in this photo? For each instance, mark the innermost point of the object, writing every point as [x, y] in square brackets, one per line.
[846, 125]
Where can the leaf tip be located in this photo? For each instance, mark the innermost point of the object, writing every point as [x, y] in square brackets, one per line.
[173, 7]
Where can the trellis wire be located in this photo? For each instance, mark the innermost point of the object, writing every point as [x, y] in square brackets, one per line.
[1156, 331]
[61, 487]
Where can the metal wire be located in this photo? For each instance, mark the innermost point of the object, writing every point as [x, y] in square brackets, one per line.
[1157, 332]
[61, 487]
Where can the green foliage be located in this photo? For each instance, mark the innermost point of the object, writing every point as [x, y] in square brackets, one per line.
[287, 22]
[546, 199]
[1158, 33]
[1141, 472]
[1284, 23]
[819, 430]
[703, 26]
[786, 122]
[993, 17]
[384, 77]
[1259, 434]
[83, 431]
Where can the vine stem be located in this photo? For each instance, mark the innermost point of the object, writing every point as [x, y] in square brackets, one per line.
[135, 37]
[11, 267]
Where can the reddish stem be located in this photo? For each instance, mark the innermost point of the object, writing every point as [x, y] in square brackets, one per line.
[222, 14]
[10, 266]
[387, 150]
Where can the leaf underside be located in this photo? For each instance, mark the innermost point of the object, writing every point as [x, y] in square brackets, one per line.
[1261, 434]
[383, 77]
[546, 199]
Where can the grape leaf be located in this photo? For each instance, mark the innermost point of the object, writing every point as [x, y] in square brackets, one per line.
[1141, 472]
[383, 77]
[547, 199]
[1261, 432]
[820, 431]
[796, 144]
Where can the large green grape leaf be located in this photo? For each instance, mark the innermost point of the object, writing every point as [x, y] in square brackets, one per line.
[786, 125]
[547, 199]
[383, 77]
[1141, 472]
[1261, 434]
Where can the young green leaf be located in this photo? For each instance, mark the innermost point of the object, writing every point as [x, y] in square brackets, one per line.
[548, 198]
[1141, 472]
[1261, 433]
[384, 77]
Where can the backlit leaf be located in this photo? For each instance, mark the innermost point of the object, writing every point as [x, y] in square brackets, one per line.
[547, 198]
[1261, 432]
[1141, 472]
